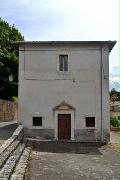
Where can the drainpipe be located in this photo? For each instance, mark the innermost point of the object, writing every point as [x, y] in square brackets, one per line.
[101, 81]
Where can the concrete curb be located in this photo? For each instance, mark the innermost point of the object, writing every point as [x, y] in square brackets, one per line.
[3, 124]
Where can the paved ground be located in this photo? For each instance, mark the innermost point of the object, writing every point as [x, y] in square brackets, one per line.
[6, 130]
[69, 161]
[114, 137]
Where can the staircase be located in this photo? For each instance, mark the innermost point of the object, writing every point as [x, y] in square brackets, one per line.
[14, 155]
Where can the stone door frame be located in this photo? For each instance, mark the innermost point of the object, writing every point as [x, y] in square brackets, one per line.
[71, 112]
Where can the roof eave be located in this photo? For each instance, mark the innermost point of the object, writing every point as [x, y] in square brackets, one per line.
[111, 44]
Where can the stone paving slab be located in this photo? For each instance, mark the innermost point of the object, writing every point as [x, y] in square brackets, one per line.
[74, 161]
[71, 164]
[114, 137]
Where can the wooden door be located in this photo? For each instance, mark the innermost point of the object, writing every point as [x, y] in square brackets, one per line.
[64, 126]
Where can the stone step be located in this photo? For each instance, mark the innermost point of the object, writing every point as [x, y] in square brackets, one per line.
[37, 142]
[20, 169]
[8, 151]
[11, 162]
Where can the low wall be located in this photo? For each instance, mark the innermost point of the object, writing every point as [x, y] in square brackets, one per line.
[8, 110]
[115, 129]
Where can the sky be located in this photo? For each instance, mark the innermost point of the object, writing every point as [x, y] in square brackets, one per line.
[76, 20]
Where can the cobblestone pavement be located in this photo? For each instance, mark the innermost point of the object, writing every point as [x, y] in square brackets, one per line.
[6, 131]
[69, 161]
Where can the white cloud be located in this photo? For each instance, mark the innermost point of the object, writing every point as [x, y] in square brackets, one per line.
[65, 20]
[115, 71]
[88, 19]
[114, 77]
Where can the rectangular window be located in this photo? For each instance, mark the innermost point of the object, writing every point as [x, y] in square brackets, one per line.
[37, 121]
[90, 121]
[63, 63]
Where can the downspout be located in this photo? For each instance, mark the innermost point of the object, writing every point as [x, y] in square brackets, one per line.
[101, 89]
[24, 62]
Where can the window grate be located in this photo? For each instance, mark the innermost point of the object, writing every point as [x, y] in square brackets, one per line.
[90, 121]
[37, 121]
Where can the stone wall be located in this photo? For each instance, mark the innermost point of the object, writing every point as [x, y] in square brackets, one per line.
[8, 110]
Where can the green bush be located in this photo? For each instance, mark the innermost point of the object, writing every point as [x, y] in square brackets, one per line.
[114, 122]
[14, 99]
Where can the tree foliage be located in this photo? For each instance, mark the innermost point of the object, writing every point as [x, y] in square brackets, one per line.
[114, 95]
[114, 122]
[8, 60]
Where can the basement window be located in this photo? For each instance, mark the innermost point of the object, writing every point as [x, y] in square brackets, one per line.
[37, 121]
[90, 121]
[63, 63]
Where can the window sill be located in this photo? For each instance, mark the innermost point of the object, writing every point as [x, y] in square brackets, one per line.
[63, 72]
[94, 128]
[37, 127]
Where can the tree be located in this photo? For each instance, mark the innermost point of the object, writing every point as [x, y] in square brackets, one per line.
[8, 60]
[113, 91]
[114, 98]
[114, 95]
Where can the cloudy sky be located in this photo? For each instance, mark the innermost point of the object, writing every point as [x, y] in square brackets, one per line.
[67, 20]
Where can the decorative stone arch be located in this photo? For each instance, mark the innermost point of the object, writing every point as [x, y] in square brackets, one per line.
[64, 108]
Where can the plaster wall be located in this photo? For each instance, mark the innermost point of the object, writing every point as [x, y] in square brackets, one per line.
[42, 86]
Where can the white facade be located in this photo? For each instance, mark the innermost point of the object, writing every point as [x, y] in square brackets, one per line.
[82, 91]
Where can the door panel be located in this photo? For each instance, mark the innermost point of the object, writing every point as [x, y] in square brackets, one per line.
[64, 126]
